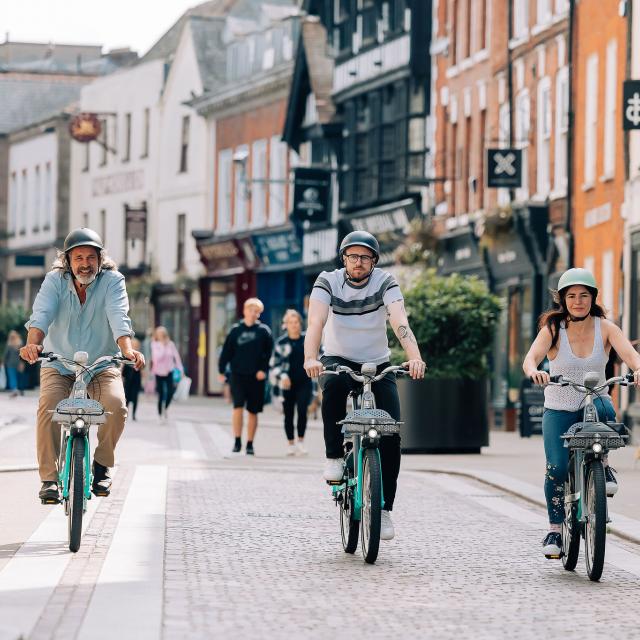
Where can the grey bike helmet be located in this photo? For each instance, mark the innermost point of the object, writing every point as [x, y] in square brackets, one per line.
[575, 276]
[82, 237]
[361, 239]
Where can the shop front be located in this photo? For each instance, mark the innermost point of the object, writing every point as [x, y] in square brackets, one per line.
[460, 253]
[280, 279]
[230, 279]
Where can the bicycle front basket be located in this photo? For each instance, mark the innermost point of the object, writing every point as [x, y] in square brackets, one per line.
[584, 435]
[361, 420]
[79, 406]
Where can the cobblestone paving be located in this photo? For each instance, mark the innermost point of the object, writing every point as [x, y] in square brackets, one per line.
[256, 553]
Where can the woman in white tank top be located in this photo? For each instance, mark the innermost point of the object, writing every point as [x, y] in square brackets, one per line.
[576, 338]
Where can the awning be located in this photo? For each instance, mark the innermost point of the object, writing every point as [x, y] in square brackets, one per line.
[508, 259]
[225, 256]
[389, 223]
[460, 253]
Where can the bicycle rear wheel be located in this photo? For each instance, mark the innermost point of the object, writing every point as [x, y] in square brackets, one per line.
[349, 528]
[595, 506]
[371, 505]
[76, 494]
[570, 527]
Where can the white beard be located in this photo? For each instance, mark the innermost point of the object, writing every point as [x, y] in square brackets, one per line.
[85, 279]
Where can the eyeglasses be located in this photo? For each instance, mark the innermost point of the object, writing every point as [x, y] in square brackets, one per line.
[354, 257]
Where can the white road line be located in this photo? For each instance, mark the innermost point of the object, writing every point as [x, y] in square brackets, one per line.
[29, 578]
[14, 429]
[221, 438]
[190, 444]
[131, 581]
[615, 554]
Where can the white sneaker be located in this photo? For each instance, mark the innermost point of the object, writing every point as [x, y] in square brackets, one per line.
[387, 532]
[333, 469]
[302, 450]
[291, 450]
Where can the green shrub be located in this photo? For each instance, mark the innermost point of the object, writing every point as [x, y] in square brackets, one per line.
[454, 319]
[12, 317]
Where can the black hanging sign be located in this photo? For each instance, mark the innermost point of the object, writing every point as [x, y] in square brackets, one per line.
[631, 105]
[311, 195]
[504, 168]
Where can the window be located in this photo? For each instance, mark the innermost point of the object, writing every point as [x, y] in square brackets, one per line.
[224, 190]
[181, 236]
[103, 225]
[504, 118]
[562, 128]
[146, 122]
[24, 202]
[463, 27]
[366, 22]
[591, 121]
[544, 138]
[466, 161]
[126, 154]
[184, 143]
[477, 25]
[522, 131]
[13, 204]
[606, 286]
[104, 142]
[37, 186]
[481, 159]
[241, 185]
[85, 219]
[520, 18]
[87, 156]
[277, 173]
[258, 190]
[342, 30]
[543, 12]
[48, 197]
[610, 117]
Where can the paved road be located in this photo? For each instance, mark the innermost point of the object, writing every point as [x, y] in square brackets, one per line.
[196, 543]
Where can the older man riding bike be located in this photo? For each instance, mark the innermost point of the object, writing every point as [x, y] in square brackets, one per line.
[82, 305]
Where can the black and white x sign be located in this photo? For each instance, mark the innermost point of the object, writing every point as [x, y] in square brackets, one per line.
[504, 168]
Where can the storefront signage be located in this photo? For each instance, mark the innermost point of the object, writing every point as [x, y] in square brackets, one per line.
[597, 215]
[459, 253]
[504, 168]
[136, 222]
[118, 183]
[631, 105]
[509, 259]
[505, 257]
[282, 248]
[320, 247]
[462, 254]
[311, 194]
[29, 260]
[85, 127]
[228, 257]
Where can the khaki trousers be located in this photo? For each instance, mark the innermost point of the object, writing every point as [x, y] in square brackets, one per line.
[105, 387]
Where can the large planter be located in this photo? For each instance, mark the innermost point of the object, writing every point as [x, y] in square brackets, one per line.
[444, 416]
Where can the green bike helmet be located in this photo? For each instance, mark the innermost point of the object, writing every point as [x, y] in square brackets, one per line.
[576, 276]
[82, 237]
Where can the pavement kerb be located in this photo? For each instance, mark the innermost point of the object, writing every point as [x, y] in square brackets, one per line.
[19, 467]
[627, 528]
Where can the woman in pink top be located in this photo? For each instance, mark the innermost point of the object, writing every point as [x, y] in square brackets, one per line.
[164, 359]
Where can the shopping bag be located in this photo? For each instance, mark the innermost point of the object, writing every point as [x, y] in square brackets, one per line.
[3, 378]
[182, 389]
[176, 375]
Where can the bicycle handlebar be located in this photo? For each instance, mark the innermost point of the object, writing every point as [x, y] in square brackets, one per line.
[49, 356]
[358, 376]
[561, 381]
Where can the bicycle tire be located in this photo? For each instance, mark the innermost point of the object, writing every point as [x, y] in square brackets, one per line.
[595, 533]
[349, 527]
[76, 493]
[570, 528]
[371, 505]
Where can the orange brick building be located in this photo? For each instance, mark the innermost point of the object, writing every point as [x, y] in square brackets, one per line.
[599, 175]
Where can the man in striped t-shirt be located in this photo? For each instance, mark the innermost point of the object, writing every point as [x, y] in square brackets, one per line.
[351, 306]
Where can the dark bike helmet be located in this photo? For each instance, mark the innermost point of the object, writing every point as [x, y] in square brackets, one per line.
[82, 237]
[362, 239]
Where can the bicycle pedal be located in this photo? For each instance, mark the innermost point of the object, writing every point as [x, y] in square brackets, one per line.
[334, 483]
[48, 501]
[553, 557]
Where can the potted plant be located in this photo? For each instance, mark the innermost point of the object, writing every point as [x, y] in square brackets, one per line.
[453, 319]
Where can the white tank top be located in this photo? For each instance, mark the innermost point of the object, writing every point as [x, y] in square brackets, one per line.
[570, 366]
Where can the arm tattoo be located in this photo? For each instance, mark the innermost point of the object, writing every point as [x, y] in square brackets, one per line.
[405, 333]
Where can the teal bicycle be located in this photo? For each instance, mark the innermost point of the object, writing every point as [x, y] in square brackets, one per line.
[76, 414]
[359, 494]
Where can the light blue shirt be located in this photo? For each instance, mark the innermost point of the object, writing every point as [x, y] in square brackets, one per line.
[69, 326]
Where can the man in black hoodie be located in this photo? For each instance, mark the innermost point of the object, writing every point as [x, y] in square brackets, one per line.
[247, 350]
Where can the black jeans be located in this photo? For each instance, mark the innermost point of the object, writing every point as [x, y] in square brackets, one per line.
[335, 390]
[165, 389]
[297, 398]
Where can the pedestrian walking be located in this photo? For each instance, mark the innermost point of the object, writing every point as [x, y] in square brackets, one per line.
[13, 365]
[166, 365]
[289, 379]
[132, 380]
[247, 349]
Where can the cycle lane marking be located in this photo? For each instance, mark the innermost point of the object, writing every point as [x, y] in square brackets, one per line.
[191, 447]
[131, 580]
[30, 577]
[615, 554]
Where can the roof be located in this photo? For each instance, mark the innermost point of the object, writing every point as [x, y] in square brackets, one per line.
[28, 98]
[210, 51]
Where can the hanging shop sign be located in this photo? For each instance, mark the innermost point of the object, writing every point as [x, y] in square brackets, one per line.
[85, 127]
[281, 249]
[136, 221]
[504, 168]
[631, 105]
[311, 195]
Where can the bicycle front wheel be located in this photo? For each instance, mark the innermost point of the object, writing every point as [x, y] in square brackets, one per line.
[76, 494]
[371, 505]
[595, 507]
[570, 526]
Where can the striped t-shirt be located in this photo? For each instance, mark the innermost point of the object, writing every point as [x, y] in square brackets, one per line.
[356, 328]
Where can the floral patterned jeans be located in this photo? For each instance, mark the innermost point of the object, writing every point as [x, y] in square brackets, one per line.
[554, 424]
